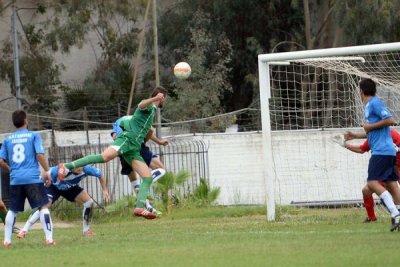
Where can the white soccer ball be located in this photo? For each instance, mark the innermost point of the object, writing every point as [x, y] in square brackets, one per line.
[182, 70]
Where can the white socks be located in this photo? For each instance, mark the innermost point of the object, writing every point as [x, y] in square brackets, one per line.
[86, 214]
[10, 220]
[388, 200]
[157, 174]
[47, 224]
[31, 221]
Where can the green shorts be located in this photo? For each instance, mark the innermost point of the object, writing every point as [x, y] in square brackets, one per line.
[127, 148]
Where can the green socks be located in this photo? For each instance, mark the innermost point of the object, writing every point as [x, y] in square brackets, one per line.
[143, 192]
[91, 159]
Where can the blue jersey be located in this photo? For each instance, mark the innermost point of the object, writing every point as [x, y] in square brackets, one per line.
[20, 149]
[72, 179]
[116, 125]
[380, 140]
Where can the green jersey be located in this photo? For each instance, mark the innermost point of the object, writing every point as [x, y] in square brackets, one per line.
[139, 125]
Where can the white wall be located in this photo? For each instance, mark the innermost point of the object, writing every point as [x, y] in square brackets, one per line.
[308, 166]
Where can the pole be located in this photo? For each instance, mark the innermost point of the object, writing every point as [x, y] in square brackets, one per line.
[15, 55]
[156, 67]
[138, 56]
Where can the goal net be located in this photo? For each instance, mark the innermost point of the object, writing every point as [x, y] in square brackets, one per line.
[309, 99]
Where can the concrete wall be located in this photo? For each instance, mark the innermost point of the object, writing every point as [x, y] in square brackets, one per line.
[308, 166]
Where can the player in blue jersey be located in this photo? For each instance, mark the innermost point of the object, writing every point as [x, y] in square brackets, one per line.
[71, 191]
[382, 164]
[24, 152]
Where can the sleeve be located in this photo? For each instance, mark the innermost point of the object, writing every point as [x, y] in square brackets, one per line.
[37, 141]
[382, 111]
[365, 146]
[115, 127]
[92, 171]
[54, 174]
[3, 150]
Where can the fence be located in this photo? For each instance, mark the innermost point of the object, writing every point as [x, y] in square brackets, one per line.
[191, 156]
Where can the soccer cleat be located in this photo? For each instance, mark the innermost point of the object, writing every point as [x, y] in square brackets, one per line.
[22, 234]
[61, 172]
[157, 174]
[144, 213]
[6, 244]
[368, 220]
[89, 233]
[16, 230]
[51, 243]
[395, 223]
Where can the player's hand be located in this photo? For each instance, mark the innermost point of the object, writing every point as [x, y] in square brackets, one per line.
[164, 142]
[106, 196]
[159, 97]
[349, 136]
[47, 182]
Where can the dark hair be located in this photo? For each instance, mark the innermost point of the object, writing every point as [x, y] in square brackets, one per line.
[77, 156]
[368, 87]
[159, 89]
[18, 118]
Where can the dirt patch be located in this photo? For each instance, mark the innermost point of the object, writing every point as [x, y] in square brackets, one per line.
[38, 225]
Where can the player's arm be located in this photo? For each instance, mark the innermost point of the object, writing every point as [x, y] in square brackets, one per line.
[380, 124]
[350, 135]
[152, 136]
[3, 157]
[103, 184]
[146, 102]
[354, 148]
[4, 165]
[45, 165]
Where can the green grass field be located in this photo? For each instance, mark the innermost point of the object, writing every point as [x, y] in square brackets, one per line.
[238, 236]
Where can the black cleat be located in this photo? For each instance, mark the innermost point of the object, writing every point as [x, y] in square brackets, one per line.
[368, 220]
[395, 223]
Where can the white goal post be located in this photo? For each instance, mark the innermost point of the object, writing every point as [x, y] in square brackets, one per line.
[306, 97]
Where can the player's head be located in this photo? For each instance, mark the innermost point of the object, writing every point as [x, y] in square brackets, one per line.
[19, 118]
[76, 156]
[368, 87]
[162, 90]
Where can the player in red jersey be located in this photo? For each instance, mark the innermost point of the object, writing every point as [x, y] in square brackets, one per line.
[364, 147]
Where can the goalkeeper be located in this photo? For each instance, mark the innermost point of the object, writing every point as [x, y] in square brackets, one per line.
[364, 147]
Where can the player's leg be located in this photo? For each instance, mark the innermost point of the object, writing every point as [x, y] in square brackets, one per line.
[143, 170]
[53, 195]
[3, 211]
[37, 197]
[84, 199]
[383, 168]
[17, 201]
[156, 163]
[126, 169]
[3, 214]
[108, 154]
[368, 204]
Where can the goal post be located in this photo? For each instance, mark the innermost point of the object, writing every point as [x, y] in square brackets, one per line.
[306, 97]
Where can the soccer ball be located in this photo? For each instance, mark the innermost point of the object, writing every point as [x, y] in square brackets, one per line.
[182, 70]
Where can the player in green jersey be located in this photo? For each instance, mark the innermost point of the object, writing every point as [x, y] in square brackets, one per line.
[128, 144]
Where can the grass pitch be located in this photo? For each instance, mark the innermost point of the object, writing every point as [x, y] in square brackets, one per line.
[238, 236]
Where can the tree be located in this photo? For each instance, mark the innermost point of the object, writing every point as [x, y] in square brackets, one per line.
[38, 70]
[200, 95]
